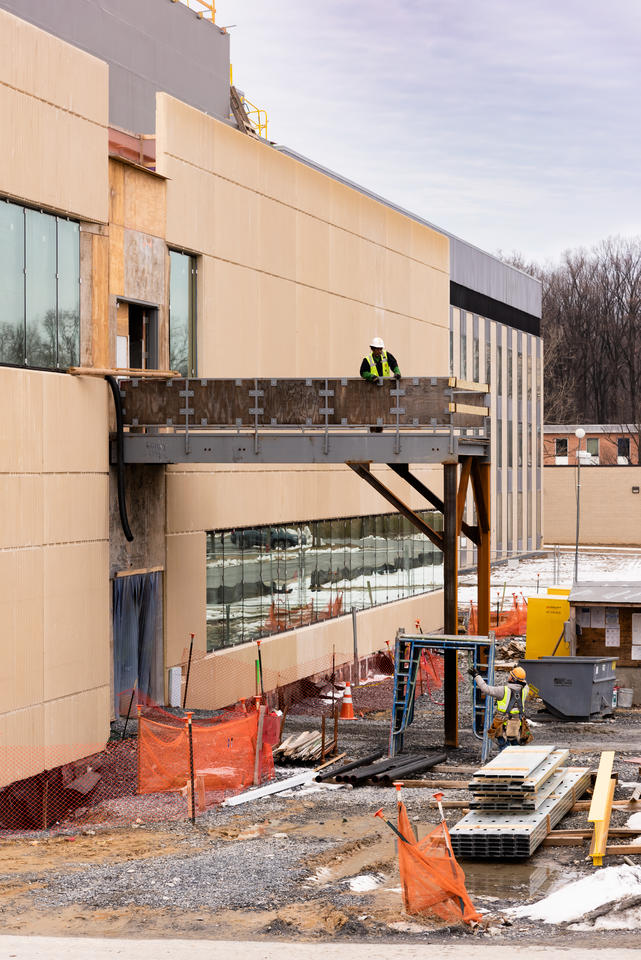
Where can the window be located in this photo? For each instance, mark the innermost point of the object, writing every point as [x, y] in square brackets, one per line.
[488, 358]
[136, 336]
[463, 357]
[519, 375]
[592, 448]
[182, 313]
[475, 358]
[510, 443]
[499, 370]
[623, 450]
[264, 580]
[40, 281]
[509, 367]
[561, 451]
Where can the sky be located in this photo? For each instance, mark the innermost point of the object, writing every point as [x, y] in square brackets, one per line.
[510, 123]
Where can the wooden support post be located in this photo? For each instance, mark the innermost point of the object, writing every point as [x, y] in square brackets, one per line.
[481, 488]
[601, 807]
[450, 603]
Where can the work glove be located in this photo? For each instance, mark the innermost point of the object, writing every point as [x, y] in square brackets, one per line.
[471, 672]
[397, 376]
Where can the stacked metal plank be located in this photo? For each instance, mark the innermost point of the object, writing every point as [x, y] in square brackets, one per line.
[517, 799]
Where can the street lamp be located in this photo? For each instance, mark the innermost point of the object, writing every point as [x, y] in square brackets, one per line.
[579, 433]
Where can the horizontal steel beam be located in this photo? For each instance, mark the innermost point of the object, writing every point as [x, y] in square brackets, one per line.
[298, 447]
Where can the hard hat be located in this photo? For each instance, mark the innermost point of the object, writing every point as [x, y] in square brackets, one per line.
[377, 342]
[518, 673]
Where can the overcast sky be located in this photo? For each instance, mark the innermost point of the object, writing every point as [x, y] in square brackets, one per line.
[511, 123]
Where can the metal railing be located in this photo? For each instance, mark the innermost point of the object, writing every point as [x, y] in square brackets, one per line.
[205, 9]
[257, 116]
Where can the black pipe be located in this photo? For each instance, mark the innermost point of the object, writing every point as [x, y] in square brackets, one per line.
[338, 774]
[366, 773]
[417, 766]
[191, 648]
[120, 447]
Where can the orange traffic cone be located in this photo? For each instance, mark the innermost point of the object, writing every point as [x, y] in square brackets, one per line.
[347, 707]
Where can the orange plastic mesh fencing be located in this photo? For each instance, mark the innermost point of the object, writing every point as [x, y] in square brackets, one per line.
[512, 622]
[431, 879]
[224, 756]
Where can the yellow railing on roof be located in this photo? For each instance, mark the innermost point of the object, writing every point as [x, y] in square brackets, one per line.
[257, 116]
[206, 9]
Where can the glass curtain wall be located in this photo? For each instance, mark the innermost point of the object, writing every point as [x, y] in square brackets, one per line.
[40, 280]
[264, 580]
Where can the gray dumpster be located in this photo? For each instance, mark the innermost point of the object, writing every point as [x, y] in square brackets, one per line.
[575, 688]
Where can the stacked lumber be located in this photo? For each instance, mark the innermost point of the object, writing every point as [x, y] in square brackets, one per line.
[517, 798]
[305, 747]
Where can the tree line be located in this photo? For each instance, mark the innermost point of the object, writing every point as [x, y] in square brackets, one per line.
[591, 328]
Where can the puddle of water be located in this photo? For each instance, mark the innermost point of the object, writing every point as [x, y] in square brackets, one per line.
[514, 881]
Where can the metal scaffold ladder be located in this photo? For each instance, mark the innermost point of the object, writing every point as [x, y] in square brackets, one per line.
[407, 657]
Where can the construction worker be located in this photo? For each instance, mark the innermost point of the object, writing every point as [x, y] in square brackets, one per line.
[509, 726]
[379, 365]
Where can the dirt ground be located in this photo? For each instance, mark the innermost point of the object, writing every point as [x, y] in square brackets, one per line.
[298, 865]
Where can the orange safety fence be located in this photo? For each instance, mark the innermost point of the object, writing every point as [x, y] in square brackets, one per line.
[432, 881]
[224, 754]
[511, 622]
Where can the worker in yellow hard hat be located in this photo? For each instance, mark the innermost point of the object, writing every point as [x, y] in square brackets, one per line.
[509, 726]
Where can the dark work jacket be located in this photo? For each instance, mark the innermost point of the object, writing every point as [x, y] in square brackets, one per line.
[391, 359]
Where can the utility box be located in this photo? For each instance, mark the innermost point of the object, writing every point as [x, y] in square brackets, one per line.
[573, 688]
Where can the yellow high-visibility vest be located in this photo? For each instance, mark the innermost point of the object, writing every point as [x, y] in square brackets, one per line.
[501, 705]
[374, 369]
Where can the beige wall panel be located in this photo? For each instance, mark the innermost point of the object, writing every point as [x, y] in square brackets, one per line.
[21, 744]
[76, 507]
[144, 205]
[144, 267]
[76, 618]
[344, 207]
[430, 247]
[399, 232]
[21, 428]
[228, 342]
[277, 176]
[312, 251]
[210, 499]
[40, 64]
[278, 328]
[21, 628]
[21, 516]
[186, 591]
[223, 677]
[180, 127]
[237, 155]
[76, 726]
[235, 225]
[312, 191]
[610, 512]
[191, 206]
[371, 224]
[75, 420]
[61, 148]
[276, 235]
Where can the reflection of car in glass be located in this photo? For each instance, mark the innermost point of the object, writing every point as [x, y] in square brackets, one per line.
[272, 537]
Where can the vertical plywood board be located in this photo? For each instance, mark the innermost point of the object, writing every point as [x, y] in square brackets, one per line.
[144, 267]
[101, 266]
[185, 595]
[144, 202]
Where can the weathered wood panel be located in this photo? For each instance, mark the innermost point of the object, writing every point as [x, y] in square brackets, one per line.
[351, 402]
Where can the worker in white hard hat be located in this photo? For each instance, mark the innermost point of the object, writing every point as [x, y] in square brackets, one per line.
[379, 365]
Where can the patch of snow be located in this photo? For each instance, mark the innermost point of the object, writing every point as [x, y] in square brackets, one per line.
[626, 920]
[634, 822]
[365, 882]
[574, 900]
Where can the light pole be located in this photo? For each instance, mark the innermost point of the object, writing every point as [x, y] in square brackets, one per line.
[579, 433]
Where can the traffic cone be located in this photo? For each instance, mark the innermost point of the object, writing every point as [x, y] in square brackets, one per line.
[347, 707]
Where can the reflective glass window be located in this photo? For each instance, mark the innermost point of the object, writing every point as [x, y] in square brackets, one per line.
[68, 293]
[40, 290]
[182, 313]
[12, 283]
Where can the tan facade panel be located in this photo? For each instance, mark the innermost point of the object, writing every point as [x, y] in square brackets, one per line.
[223, 677]
[39, 64]
[22, 751]
[76, 618]
[76, 507]
[610, 511]
[22, 629]
[75, 420]
[76, 726]
[21, 433]
[186, 580]
[22, 514]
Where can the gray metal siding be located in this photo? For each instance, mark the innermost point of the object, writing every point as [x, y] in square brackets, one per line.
[150, 45]
[486, 274]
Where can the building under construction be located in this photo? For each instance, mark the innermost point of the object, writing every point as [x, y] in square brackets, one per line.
[147, 224]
